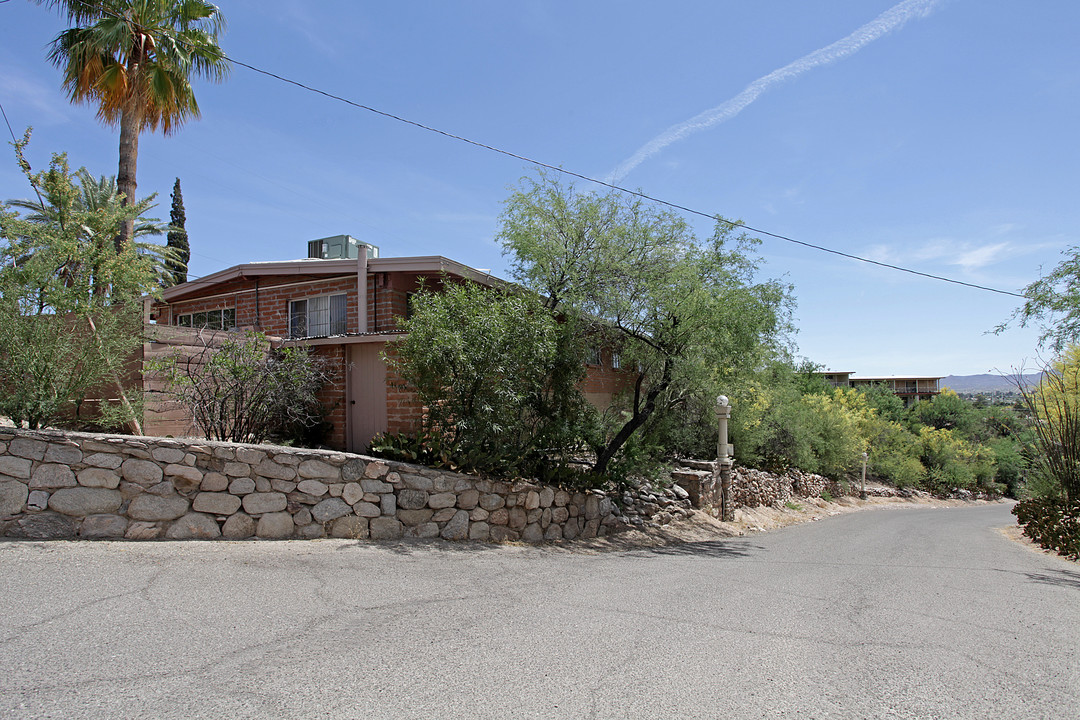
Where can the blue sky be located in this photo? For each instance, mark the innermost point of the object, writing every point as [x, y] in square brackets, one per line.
[935, 134]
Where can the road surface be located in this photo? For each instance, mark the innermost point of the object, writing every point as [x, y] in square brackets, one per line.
[891, 613]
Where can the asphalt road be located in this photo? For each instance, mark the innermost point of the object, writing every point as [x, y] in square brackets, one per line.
[898, 613]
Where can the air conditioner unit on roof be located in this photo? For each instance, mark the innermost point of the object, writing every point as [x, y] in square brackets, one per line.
[339, 247]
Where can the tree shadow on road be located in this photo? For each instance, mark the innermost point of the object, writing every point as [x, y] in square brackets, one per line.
[1059, 578]
[726, 549]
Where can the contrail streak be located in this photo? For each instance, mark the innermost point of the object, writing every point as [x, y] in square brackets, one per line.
[892, 19]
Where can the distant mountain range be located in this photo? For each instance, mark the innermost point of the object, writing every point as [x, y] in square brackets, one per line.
[985, 383]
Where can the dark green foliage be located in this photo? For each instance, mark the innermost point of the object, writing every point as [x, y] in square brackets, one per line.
[1052, 523]
[178, 239]
[499, 377]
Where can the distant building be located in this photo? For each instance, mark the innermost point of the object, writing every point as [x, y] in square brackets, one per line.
[911, 388]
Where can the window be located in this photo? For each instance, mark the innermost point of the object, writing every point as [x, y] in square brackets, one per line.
[616, 361]
[593, 357]
[222, 319]
[317, 316]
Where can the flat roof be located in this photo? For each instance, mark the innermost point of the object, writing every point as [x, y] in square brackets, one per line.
[428, 264]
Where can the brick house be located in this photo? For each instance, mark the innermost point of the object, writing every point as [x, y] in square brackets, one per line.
[343, 300]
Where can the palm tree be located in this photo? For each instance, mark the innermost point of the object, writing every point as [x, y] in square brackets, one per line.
[135, 60]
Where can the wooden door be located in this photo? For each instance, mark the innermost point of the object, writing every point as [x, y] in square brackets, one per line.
[367, 394]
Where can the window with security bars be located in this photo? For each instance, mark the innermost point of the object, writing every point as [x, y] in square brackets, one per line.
[224, 319]
[317, 317]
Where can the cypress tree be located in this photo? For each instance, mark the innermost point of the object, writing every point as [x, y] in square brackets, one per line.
[178, 238]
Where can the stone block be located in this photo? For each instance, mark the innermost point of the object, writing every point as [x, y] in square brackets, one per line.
[547, 497]
[312, 487]
[83, 501]
[153, 507]
[500, 533]
[385, 528]
[553, 533]
[534, 515]
[468, 499]
[318, 470]
[417, 482]
[457, 528]
[27, 448]
[262, 484]
[141, 472]
[183, 478]
[491, 501]
[237, 470]
[270, 469]
[532, 500]
[479, 531]
[314, 531]
[478, 515]
[251, 456]
[167, 455]
[330, 509]
[103, 460]
[376, 469]
[214, 482]
[559, 515]
[388, 504]
[97, 477]
[258, 503]
[518, 518]
[194, 526]
[15, 467]
[376, 486]
[352, 493]
[302, 517]
[52, 475]
[532, 533]
[366, 509]
[285, 486]
[335, 489]
[275, 526]
[286, 458]
[13, 496]
[63, 453]
[238, 527]
[350, 526]
[424, 530]
[413, 518]
[43, 526]
[410, 499]
[562, 498]
[499, 516]
[38, 500]
[442, 500]
[353, 470]
[218, 503]
[103, 526]
[443, 515]
[142, 531]
[242, 486]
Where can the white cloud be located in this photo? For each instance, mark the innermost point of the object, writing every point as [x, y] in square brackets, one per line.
[892, 19]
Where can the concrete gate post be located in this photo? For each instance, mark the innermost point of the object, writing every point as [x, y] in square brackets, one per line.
[724, 460]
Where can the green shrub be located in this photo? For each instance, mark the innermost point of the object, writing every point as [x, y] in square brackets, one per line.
[1052, 523]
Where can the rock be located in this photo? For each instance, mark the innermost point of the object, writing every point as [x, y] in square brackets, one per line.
[442, 500]
[443, 515]
[350, 526]
[270, 469]
[38, 500]
[64, 454]
[468, 499]
[562, 498]
[366, 509]
[410, 499]
[592, 507]
[553, 533]
[103, 526]
[479, 531]
[242, 486]
[13, 496]
[82, 501]
[352, 470]
[52, 476]
[142, 531]
[502, 534]
[275, 526]
[376, 469]
[313, 531]
[330, 509]
[168, 456]
[547, 497]
[214, 482]
[183, 478]
[162, 489]
[491, 501]
[532, 500]
[424, 530]
[43, 526]
[27, 448]
[532, 533]
[457, 528]
[415, 517]
[376, 486]
[317, 469]
[238, 527]
[352, 493]
[15, 467]
[297, 498]
[269, 502]
[154, 507]
[385, 528]
[517, 518]
[194, 526]
[216, 503]
[312, 487]
[302, 517]
[534, 515]
[571, 530]
[237, 470]
[282, 486]
[142, 472]
[96, 477]
[251, 456]
[388, 504]
[500, 516]
[417, 482]
[335, 489]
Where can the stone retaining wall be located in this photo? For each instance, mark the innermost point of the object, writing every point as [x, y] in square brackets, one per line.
[750, 488]
[67, 485]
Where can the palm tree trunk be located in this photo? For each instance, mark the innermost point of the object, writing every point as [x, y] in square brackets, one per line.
[130, 124]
